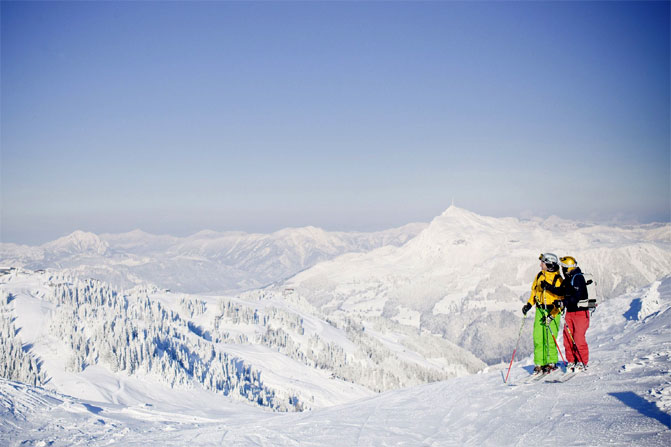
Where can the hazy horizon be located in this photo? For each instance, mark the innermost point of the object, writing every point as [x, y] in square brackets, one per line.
[524, 217]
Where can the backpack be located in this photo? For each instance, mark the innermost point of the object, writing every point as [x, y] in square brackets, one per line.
[589, 303]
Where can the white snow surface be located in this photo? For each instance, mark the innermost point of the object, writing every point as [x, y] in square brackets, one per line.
[389, 311]
[623, 399]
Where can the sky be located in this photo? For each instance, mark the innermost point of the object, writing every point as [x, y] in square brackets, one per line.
[174, 117]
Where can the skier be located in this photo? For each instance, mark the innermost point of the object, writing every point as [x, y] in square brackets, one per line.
[546, 322]
[573, 291]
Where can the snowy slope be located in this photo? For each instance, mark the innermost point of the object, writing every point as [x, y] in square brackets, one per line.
[92, 341]
[206, 262]
[623, 400]
[466, 276]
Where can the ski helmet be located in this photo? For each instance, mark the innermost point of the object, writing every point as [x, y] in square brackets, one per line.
[550, 260]
[568, 264]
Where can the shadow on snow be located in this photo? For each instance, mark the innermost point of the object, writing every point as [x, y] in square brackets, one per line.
[643, 406]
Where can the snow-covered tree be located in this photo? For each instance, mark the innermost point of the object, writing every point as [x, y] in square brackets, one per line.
[15, 362]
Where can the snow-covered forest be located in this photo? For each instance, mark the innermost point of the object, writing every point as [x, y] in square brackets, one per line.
[188, 341]
[16, 363]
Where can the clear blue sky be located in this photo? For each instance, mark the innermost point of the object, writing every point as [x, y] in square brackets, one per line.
[177, 117]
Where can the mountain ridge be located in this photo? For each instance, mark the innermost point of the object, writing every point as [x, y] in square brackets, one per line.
[458, 277]
[205, 262]
[464, 273]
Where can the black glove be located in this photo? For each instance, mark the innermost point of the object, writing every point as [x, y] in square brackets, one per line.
[526, 308]
[560, 304]
[545, 285]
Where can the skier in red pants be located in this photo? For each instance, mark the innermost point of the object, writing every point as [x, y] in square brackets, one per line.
[573, 291]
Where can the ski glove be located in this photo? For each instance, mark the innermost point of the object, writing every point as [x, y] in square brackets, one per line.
[526, 308]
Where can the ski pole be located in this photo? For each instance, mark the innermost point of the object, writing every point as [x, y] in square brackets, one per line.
[556, 344]
[575, 345]
[524, 318]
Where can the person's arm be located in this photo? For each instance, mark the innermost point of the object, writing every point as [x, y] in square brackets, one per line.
[532, 298]
[557, 290]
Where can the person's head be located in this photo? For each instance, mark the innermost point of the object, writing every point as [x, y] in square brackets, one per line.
[549, 262]
[568, 264]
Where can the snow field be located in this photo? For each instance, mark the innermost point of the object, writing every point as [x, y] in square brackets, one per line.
[622, 400]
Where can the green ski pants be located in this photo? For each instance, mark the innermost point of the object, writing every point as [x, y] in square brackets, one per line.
[545, 350]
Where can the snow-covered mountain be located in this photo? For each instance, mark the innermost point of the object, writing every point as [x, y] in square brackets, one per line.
[465, 276]
[86, 339]
[206, 262]
[623, 399]
[462, 277]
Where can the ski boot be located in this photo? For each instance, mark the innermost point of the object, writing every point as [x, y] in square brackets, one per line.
[547, 369]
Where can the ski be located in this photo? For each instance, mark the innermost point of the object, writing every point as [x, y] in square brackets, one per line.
[531, 378]
[564, 377]
[526, 380]
[534, 378]
[550, 376]
[568, 375]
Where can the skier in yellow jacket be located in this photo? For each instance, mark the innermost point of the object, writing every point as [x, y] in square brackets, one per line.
[548, 314]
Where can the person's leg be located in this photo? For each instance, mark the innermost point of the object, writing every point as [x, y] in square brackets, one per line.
[568, 331]
[539, 329]
[581, 324]
[553, 330]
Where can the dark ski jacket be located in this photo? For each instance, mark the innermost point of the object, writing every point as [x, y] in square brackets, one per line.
[572, 290]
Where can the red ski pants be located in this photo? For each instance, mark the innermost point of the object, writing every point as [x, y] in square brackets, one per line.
[577, 323]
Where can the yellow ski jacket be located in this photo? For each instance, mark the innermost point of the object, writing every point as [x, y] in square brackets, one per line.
[544, 298]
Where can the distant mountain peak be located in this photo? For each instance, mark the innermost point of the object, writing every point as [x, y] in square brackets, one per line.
[455, 217]
[78, 242]
[309, 231]
[454, 210]
[205, 234]
[138, 232]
